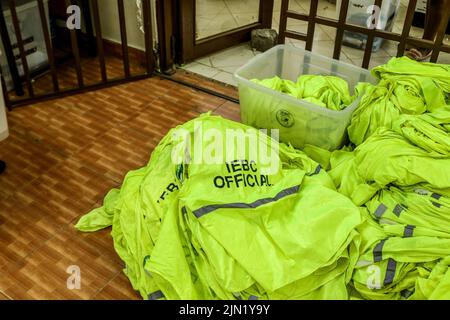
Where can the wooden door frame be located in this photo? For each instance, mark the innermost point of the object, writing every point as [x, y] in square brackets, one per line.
[190, 48]
[167, 34]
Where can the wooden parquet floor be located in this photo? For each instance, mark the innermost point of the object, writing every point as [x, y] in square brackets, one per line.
[63, 156]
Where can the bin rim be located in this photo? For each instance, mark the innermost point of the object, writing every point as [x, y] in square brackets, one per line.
[316, 108]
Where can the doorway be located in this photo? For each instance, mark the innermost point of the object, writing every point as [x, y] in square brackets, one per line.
[207, 26]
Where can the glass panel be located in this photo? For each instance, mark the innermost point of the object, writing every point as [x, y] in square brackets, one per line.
[217, 16]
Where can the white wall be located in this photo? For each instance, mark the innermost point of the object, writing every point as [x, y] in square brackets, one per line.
[3, 122]
[109, 16]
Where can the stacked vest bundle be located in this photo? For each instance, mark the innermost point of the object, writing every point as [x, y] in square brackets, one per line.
[369, 221]
[330, 92]
[230, 230]
[406, 87]
[400, 176]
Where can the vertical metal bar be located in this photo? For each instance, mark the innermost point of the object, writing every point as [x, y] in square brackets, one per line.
[98, 34]
[146, 8]
[10, 54]
[369, 43]
[89, 33]
[76, 52]
[123, 36]
[439, 38]
[165, 27]
[406, 27]
[283, 21]
[23, 57]
[266, 13]
[48, 45]
[340, 29]
[185, 11]
[311, 24]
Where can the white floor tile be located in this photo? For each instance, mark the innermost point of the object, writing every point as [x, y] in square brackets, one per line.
[296, 43]
[276, 16]
[390, 47]
[444, 58]
[232, 57]
[223, 62]
[305, 4]
[243, 6]
[243, 19]
[414, 32]
[210, 7]
[319, 31]
[276, 25]
[206, 61]
[326, 9]
[225, 77]
[354, 53]
[345, 59]
[374, 62]
[231, 69]
[295, 6]
[276, 5]
[201, 69]
[297, 25]
[324, 33]
[324, 47]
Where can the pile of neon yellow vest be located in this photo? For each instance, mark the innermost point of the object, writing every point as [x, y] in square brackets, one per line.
[369, 221]
[232, 229]
[399, 173]
[330, 92]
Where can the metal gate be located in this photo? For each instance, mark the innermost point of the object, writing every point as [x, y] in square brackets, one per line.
[92, 23]
[341, 25]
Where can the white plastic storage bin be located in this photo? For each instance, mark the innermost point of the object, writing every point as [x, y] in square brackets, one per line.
[32, 35]
[299, 122]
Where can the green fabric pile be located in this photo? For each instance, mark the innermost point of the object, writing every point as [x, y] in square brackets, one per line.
[400, 177]
[186, 234]
[406, 87]
[369, 221]
[326, 91]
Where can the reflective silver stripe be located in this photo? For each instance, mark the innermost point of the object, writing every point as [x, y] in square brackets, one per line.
[409, 230]
[319, 167]
[155, 295]
[406, 293]
[421, 191]
[378, 251]
[237, 295]
[208, 209]
[380, 210]
[397, 210]
[390, 271]
[437, 205]
[253, 298]
[436, 196]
